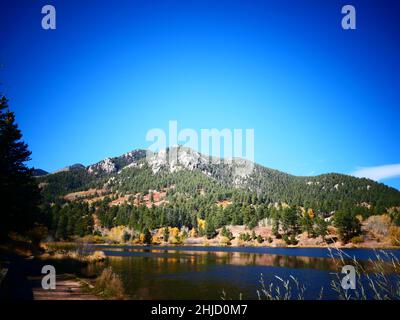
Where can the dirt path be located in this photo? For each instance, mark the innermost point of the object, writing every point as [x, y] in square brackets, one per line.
[66, 289]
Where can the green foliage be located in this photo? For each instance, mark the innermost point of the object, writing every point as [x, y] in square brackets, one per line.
[321, 227]
[348, 225]
[290, 240]
[19, 194]
[245, 236]
[69, 219]
[193, 195]
[126, 237]
[147, 236]
[260, 239]
[307, 225]
[395, 216]
[225, 232]
[357, 240]
[210, 230]
[166, 234]
[290, 221]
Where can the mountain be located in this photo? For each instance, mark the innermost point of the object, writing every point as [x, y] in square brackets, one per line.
[39, 172]
[76, 166]
[191, 173]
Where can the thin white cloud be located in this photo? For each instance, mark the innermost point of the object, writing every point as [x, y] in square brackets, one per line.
[378, 173]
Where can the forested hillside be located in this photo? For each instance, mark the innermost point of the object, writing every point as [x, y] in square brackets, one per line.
[146, 194]
[132, 173]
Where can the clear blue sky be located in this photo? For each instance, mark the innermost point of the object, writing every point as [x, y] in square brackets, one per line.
[320, 99]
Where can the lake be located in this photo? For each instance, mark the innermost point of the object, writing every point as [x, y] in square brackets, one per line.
[199, 273]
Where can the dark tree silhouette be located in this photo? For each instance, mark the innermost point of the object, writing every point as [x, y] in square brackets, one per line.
[19, 194]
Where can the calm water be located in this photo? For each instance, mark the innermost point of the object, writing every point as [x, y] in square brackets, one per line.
[207, 272]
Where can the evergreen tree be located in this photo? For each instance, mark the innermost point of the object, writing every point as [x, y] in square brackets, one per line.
[226, 233]
[147, 236]
[321, 227]
[210, 229]
[166, 234]
[348, 225]
[19, 194]
[307, 224]
[290, 221]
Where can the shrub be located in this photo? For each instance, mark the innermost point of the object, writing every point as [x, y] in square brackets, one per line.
[395, 215]
[225, 232]
[260, 239]
[109, 285]
[193, 233]
[394, 235]
[96, 256]
[225, 240]
[290, 240]
[269, 240]
[286, 239]
[37, 234]
[293, 240]
[379, 225]
[175, 240]
[357, 239]
[245, 236]
[155, 239]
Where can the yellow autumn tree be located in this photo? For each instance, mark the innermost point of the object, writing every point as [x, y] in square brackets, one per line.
[192, 233]
[173, 232]
[201, 224]
[173, 235]
[311, 213]
[116, 233]
[155, 239]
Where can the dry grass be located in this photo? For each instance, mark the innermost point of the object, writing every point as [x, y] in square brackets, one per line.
[109, 285]
[378, 279]
[60, 246]
[97, 256]
[394, 235]
[75, 251]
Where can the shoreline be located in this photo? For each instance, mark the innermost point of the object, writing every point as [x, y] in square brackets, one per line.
[168, 245]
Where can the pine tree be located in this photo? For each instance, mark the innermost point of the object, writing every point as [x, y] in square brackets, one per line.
[19, 194]
[210, 229]
[321, 227]
[147, 236]
[166, 234]
[348, 225]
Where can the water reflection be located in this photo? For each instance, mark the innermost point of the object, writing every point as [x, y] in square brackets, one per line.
[191, 257]
[186, 273]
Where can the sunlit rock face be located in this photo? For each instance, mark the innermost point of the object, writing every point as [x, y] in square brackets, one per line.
[110, 165]
[105, 166]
